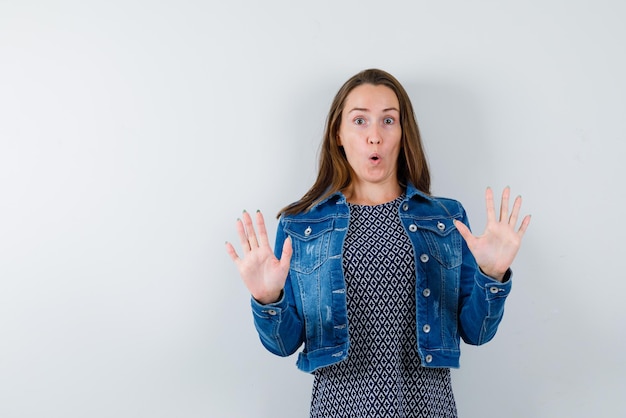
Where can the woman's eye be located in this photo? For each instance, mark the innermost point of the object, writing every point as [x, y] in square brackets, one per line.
[389, 121]
[359, 121]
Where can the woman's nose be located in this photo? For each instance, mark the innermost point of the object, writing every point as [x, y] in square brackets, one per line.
[374, 137]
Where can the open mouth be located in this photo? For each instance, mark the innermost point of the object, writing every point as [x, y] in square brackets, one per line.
[374, 157]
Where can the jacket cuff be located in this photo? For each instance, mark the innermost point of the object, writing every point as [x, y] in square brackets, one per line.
[270, 309]
[494, 289]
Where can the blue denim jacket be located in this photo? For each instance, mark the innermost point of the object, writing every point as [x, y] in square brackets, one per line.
[454, 298]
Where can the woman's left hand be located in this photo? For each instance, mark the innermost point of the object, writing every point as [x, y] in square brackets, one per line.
[497, 247]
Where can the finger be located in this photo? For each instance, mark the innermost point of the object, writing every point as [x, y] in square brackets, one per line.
[231, 252]
[262, 231]
[491, 211]
[285, 258]
[464, 231]
[504, 204]
[251, 235]
[515, 212]
[524, 225]
[243, 237]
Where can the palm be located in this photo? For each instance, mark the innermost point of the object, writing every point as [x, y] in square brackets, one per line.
[263, 274]
[497, 247]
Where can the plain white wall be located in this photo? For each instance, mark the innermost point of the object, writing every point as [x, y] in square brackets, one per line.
[133, 133]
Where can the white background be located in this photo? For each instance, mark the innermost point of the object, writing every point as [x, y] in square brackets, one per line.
[133, 133]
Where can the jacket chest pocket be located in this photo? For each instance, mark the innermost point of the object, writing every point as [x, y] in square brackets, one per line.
[310, 240]
[443, 240]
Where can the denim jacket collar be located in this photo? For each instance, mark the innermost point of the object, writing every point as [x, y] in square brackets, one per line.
[340, 198]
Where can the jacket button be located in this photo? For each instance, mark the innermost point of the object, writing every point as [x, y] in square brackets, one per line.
[412, 228]
[405, 207]
[307, 231]
[429, 358]
[271, 312]
[424, 258]
[494, 290]
[441, 226]
[426, 328]
[426, 292]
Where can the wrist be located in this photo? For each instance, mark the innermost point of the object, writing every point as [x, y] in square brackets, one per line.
[500, 277]
[269, 298]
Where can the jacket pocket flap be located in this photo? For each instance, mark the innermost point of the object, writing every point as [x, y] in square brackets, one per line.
[306, 230]
[441, 227]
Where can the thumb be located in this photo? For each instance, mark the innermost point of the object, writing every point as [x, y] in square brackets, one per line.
[285, 257]
[463, 230]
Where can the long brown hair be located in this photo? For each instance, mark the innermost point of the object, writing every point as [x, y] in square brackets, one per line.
[335, 173]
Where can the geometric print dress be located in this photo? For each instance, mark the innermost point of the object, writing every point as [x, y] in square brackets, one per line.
[382, 375]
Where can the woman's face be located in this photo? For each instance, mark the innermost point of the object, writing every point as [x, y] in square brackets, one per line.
[370, 133]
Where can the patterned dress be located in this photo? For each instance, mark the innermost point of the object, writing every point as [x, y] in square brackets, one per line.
[382, 376]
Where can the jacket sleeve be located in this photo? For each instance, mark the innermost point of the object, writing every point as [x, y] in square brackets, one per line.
[279, 324]
[481, 299]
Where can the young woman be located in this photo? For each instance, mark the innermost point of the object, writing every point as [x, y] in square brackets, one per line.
[377, 278]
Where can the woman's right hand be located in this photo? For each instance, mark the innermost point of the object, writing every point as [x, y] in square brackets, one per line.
[263, 274]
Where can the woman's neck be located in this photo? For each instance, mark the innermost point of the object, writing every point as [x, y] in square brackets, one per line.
[372, 194]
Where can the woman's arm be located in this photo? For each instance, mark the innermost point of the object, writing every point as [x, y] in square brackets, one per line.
[486, 273]
[266, 275]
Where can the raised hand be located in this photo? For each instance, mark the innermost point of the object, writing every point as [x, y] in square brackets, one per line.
[263, 274]
[497, 247]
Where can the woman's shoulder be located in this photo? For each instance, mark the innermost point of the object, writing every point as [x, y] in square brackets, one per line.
[428, 205]
[446, 201]
[332, 205]
[330, 208]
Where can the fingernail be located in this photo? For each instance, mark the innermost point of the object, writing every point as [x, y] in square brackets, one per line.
[258, 210]
[244, 211]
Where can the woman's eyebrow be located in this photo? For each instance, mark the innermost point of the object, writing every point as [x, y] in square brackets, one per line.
[364, 109]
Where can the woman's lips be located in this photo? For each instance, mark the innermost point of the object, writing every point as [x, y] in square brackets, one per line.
[375, 158]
